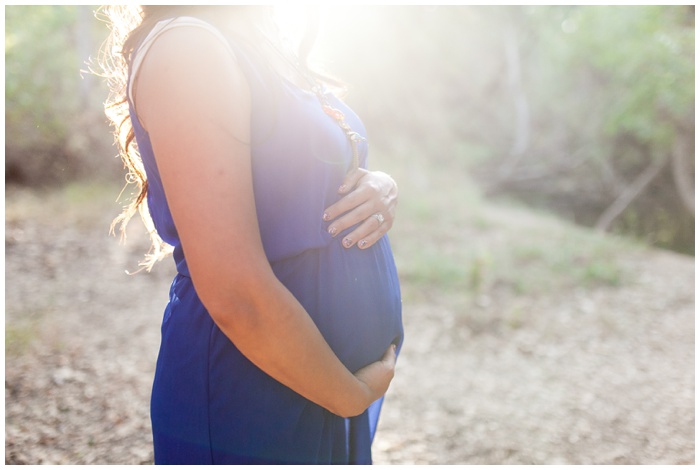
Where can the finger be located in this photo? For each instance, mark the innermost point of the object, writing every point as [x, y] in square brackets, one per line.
[360, 195]
[357, 215]
[389, 358]
[371, 232]
[351, 179]
[390, 353]
[369, 240]
[368, 232]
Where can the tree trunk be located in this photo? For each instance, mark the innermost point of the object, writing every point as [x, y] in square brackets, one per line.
[683, 173]
[84, 45]
[522, 108]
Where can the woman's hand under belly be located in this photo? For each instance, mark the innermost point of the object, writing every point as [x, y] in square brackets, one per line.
[353, 297]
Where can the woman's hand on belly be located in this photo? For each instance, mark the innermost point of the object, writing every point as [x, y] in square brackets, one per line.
[370, 198]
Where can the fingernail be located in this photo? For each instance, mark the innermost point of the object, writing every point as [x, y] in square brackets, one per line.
[326, 217]
[342, 188]
[362, 244]
[347, 242]
[333, 231]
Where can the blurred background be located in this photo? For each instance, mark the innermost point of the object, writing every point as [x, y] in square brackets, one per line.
[587, 112]
[545, 236]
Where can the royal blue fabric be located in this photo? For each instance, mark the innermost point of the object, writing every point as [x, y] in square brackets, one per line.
[210, 404]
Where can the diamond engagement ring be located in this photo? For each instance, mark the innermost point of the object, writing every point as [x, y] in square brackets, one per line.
[379, 217]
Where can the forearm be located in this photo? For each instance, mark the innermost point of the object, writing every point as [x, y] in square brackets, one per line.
[269, 326]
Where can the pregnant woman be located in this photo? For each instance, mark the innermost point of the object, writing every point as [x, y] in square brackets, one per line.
[280, 336]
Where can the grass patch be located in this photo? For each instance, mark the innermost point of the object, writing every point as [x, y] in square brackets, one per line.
[18, 337]
[87, 194]
[76, 202]
[447, 237]
[432, 268]
[563, 256]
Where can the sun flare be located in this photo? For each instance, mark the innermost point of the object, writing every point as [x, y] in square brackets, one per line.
[337, 25]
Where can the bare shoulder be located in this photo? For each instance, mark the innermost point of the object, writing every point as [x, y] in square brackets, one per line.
[191, 66]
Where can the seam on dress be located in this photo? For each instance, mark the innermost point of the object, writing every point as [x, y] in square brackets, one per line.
[211, 336]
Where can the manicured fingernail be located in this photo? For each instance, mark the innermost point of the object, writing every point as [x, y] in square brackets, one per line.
[347, 242]
[333, 231]
[362, 244]
[342, 188]
[326, 217]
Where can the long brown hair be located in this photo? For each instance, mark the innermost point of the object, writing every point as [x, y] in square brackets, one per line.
[123, 20]
[129, 24]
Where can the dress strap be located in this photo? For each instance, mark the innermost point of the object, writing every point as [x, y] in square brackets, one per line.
[161, 27]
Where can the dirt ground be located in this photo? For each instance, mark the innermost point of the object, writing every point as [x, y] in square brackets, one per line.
[601, 375]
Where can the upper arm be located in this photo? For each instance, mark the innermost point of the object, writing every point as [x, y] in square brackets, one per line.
[195, 103]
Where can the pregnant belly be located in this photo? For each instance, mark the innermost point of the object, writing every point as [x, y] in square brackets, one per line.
[352, 295]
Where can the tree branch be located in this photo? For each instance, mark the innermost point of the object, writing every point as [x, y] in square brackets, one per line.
[629, 194]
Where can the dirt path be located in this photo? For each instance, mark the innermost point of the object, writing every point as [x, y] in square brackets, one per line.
[601, 375]
[597, 377]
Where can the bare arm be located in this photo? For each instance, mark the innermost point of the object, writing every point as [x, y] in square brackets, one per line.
[194, 101]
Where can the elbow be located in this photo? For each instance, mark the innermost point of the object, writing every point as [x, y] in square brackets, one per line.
[232, 309]
[349, 410]
[232, 312]
[243, 307]
[228, 314]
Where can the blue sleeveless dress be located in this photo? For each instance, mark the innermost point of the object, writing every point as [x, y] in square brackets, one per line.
[209, 403]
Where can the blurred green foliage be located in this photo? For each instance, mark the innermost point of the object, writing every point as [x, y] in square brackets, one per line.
[628, 69]
[559, 106]
[53, 118]
[39, 90]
